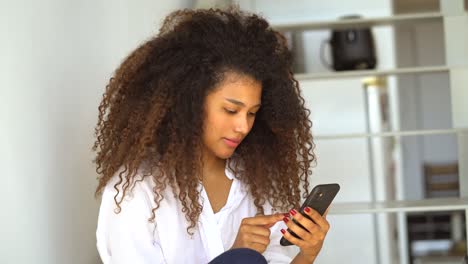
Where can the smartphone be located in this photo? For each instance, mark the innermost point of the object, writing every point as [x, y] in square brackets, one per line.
[319, 199]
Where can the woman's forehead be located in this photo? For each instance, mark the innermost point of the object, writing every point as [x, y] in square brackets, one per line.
[239, 89]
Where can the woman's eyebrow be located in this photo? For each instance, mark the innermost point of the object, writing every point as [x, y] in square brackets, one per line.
[239, 103]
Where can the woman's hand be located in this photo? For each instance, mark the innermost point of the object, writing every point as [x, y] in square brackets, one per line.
[311, 239]
[254, 232]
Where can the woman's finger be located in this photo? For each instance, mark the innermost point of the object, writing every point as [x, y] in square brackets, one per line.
[262, 219]
[308, 224]
[280, 216]
[255, 229]
[253, 238]
[296, 241]
[258, 247]
[317, 218]
[298, 230]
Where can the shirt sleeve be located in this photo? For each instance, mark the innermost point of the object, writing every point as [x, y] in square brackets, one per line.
[127, 237]
[275, 253]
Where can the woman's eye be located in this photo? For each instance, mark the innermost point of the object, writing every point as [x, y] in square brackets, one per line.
[229, 111]
[252, 114]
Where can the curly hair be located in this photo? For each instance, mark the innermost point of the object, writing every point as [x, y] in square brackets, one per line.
[152, 112]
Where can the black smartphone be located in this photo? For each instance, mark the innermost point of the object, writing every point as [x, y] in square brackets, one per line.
[319, 199]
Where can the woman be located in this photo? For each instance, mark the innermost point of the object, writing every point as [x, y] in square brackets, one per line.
[202, 139]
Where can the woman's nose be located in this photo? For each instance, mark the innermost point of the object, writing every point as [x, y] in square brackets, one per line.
[242, 125]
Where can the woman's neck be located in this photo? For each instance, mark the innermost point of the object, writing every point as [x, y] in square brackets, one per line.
[213, 167]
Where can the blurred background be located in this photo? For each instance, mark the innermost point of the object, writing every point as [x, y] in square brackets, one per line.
[390, 127]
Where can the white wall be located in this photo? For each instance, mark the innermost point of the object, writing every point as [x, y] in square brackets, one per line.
[56, 57]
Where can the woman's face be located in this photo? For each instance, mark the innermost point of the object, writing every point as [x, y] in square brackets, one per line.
[230, 114]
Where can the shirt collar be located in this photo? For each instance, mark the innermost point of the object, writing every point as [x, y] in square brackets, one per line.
[229, 173]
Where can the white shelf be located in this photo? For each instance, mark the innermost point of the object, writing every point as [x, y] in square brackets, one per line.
[392, 134]
[439, 204]
[365, 73]
[360, 22]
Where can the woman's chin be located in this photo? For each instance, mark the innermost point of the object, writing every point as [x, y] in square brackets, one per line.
[225, 154]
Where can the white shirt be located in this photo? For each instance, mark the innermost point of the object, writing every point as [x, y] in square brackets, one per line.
[128, 237]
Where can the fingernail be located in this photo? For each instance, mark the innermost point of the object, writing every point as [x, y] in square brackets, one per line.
[286, 219]
[286, 214]
[293, 212]
[283, 231]
[307, 209]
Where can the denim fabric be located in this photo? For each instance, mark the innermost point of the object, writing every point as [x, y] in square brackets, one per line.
[239, 256]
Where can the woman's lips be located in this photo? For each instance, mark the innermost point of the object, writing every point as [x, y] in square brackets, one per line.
[231, 142]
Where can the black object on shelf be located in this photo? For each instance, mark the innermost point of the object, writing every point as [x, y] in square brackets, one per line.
[352, 49]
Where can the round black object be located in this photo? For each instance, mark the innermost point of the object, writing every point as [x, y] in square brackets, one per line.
[353, 49]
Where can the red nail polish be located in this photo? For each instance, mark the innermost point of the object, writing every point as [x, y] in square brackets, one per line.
[293, 212]
[307, 209]
[286, 214]
[286, 219]
[283, 231]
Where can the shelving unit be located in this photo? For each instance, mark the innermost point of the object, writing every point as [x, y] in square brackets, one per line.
[454, 17]
[361, 22]
[365, 73]
[427, 205]
[452, 12]
[392, 134]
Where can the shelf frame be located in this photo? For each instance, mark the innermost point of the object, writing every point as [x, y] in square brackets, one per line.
[427, 205]
[366, 73]
[392, 134]
[358, 22]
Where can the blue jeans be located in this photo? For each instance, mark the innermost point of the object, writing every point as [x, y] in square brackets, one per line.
[239, 256]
